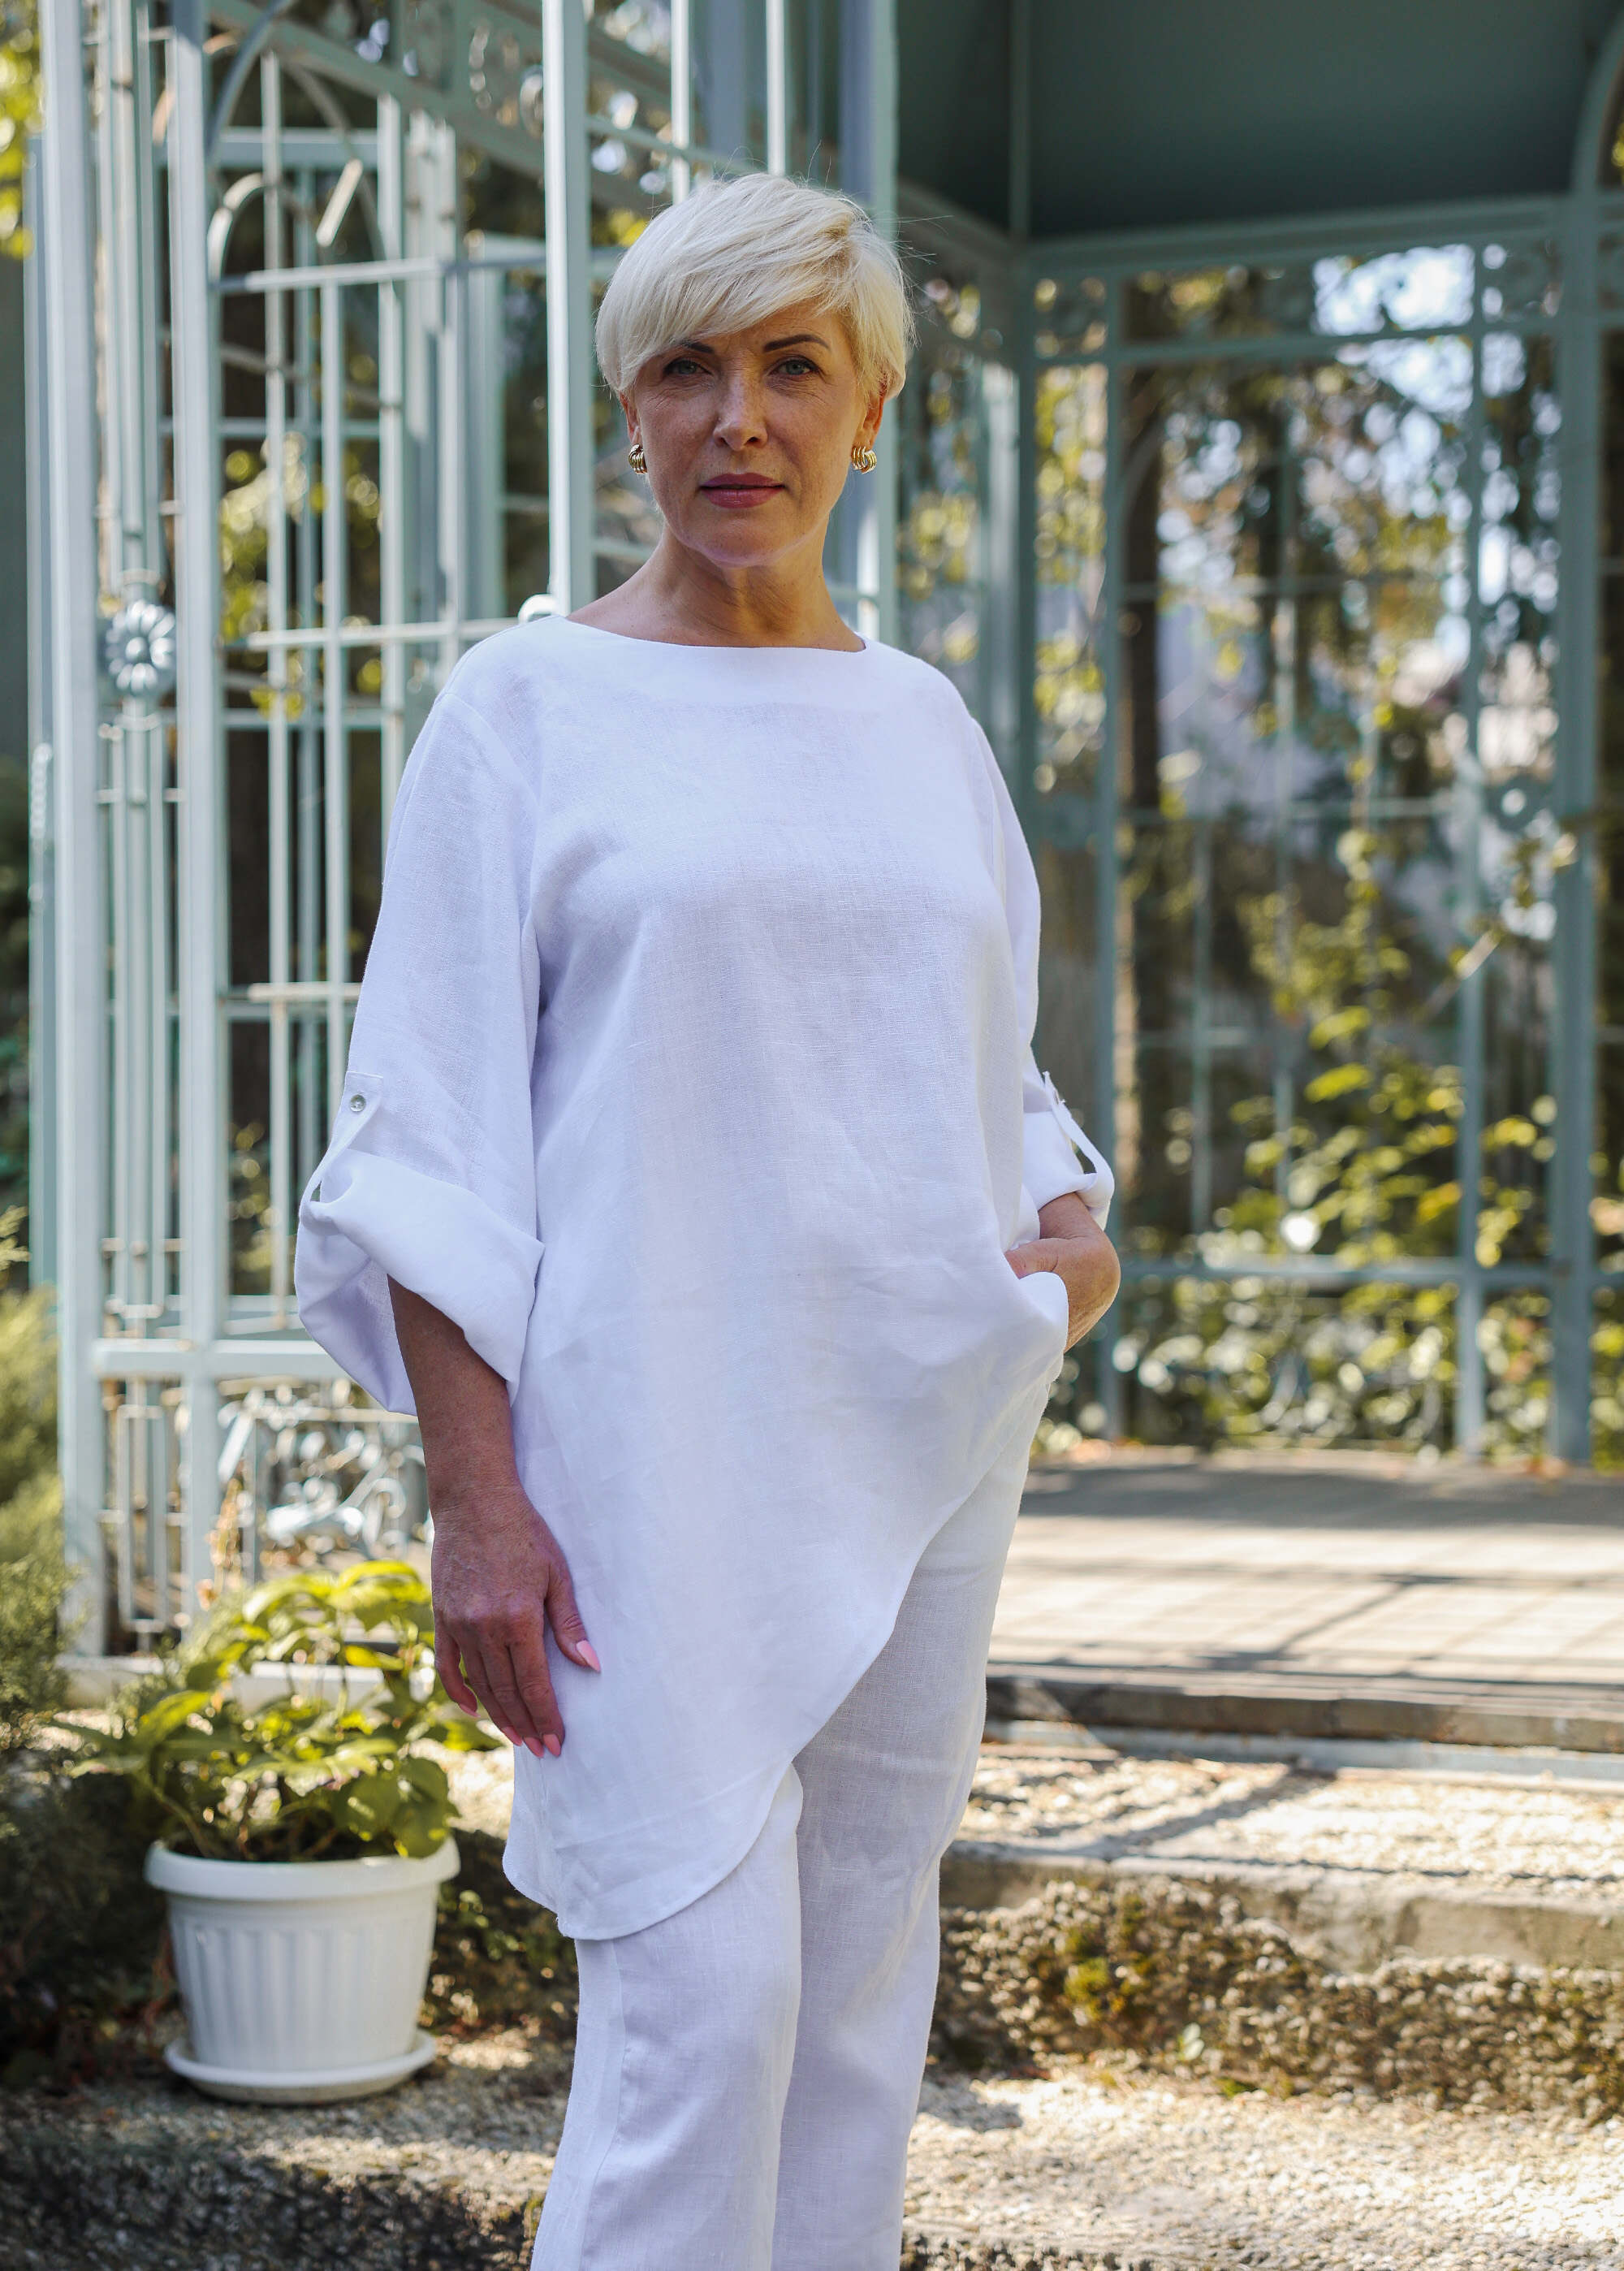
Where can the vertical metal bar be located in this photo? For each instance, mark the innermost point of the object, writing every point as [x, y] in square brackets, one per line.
[1574, 948]
[1106, 854]
[867, 172]
[682, 97]
[278, 744]
[453, 515]
[777, 89]
[1283, 1047]
[71, 450]
[1471, 1002]
[572, 568]
[42, 1035]
[124, 979]
[306, 880]
[1202, 1020]
[112, 167]
[160, 861]
[202, 1164]
[335, 753]
[813, 95]
[882, 527]
[391, 457]
[160, 898]
[1006, 631]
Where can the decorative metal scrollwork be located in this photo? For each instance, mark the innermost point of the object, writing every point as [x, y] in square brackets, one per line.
[496, 70]
[426, 42]
[1526, 282]
[312, 1471]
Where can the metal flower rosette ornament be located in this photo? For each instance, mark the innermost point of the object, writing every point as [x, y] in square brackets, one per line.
[138, 650]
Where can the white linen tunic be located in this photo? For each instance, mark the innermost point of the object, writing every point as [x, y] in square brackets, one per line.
[691, 1076]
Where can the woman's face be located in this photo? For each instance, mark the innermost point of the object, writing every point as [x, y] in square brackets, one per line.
[749, 435]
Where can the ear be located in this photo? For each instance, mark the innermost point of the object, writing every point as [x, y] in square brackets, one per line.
[869, 427]
[628, 411]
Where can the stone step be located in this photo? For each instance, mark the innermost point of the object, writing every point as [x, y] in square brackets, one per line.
[1513, 1715]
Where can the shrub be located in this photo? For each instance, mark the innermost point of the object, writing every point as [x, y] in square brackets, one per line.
[320, 1771]
[80, 1929]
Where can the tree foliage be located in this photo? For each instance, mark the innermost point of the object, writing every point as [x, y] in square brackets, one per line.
[19, 116]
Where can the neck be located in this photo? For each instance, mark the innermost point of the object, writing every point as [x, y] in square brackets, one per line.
[683, 599]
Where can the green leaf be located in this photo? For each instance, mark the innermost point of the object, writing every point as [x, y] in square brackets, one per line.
[173, 1711]
[1338, 1082]
[460, 1733]
[1339, 1026]
[427, 1777]
[370, 1805]
[419, 1830]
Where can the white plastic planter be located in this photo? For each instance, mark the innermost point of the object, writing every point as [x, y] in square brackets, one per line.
[300, 1980]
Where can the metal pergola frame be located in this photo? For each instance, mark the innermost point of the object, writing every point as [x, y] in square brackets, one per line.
[160, 1357]
[164, 1370]
[1585, 231]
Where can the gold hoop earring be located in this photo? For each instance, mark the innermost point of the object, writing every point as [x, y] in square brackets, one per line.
[864, 459]
[636, 459]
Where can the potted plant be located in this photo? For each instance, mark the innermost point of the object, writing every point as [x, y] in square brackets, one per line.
[300, 1832]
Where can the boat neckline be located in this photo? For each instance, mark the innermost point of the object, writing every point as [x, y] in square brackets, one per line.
[693, 646]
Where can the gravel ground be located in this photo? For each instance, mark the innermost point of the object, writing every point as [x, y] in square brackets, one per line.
[1174, 2175]
[1087, 2164]
[1544, 1838]
[1538, 1838]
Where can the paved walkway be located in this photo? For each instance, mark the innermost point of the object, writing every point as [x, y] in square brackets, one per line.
[1324, 1581]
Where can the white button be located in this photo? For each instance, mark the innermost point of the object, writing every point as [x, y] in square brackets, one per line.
[357, 1104]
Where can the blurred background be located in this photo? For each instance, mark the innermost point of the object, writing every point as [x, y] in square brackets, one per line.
[1258, 480]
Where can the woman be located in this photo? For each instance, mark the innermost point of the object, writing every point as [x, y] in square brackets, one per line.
[695, 1184]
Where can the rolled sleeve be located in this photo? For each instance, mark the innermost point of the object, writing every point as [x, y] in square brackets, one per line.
[1053, 1142]
[429, 1176]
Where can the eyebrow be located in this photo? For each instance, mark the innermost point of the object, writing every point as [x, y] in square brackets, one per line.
[769, 347]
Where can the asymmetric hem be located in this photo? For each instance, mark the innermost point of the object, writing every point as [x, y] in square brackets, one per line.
[735, 1818]
[692, 1077]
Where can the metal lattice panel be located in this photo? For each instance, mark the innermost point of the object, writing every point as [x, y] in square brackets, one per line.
[345, 262]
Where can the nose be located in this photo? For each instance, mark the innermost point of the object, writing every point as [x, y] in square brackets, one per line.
[741, 412]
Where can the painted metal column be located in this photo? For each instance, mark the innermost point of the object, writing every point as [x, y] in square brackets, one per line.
[777, 88]
[199, 774]
[682, 96]
[571, 454]
[1573, 1040]
[81, 1100]
[43, 1140]
[867, 172]
[1470, 1383]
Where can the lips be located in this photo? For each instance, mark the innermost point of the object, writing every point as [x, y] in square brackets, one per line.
[737, 490]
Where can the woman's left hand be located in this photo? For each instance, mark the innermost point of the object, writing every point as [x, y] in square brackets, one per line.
[1072, 1245]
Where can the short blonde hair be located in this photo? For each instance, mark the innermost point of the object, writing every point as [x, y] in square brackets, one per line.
[734, 252]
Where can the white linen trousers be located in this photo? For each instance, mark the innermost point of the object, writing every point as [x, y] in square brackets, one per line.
[747, 2070]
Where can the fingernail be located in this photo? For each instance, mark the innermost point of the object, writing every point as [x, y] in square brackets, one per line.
[532, 1747]
[554, 1744]
[588, 1654]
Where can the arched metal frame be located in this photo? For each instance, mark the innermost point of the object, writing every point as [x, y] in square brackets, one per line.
[280, 371]
[1544, 273]
[389, 332]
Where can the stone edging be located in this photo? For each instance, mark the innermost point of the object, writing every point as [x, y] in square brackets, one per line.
[1174, 1974]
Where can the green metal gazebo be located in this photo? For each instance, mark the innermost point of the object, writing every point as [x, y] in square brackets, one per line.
[1255, 482]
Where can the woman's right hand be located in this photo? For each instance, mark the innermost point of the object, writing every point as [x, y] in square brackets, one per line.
[498, 1575]
[499, 1578]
